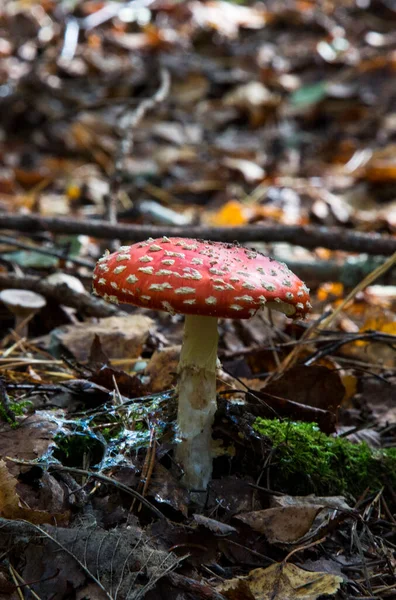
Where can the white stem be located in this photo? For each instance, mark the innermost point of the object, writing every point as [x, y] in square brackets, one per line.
[197, 400]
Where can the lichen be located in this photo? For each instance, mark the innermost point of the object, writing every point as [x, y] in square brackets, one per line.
[306, 461]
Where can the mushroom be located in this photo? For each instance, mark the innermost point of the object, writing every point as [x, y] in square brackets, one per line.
[204, 281]
[24, 305]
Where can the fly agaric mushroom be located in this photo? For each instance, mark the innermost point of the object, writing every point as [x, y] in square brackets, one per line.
[204, 281]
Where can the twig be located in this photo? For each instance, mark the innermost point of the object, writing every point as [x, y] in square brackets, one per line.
[194, 587]
[308, 236]
[46, 251]
[94, 475]
[89, 305]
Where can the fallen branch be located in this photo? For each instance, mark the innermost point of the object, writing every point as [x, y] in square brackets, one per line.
[84, 303]
[308, 236]
[46, 251]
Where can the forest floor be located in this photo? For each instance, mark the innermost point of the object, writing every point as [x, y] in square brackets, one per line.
[271, 124]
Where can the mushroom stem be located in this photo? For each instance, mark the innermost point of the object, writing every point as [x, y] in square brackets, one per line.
[197, 400]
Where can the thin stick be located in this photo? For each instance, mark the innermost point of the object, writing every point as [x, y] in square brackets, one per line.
[308, 236]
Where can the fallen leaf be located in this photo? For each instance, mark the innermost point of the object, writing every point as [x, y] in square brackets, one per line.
[314, 386]
[30, 440]
[214, 525]
[282, 525]
[162, 368]
[283, 582]
[120, 337]
[10, 503]
[230, 214]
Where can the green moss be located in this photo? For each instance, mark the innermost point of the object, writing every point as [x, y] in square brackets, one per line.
[74, 449]
[307, 461]
[18, 408]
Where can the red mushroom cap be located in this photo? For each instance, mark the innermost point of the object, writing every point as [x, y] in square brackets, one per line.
[198, 277]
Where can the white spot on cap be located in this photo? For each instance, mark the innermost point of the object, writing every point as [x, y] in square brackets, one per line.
[102, 281]
[260, 270]
[270, 287]
[131, 279]
[160, 287]
[95, 291]
[104, 257]
[234, 279]
[236, 307]
[211, 300]
[219, 288]
[113, 299]
[155, 248]
[168, 261]
[94, 276]
[248, 285]
[300, 305]
[286, 282]
[308, 305]
[104, 268]
[145, 298]
[165, 240]
[194, 274]
[262, 299]
[189, 246]
[119, 269]
[124, 249]
[289, 296]
[244, 298]
[197, 261]
[300, 293]
[273, 272]
[145, 258]
[147, 270]
[191, 301]
[185, 290]
[216, 271]
[175, 254]
[166, 272]
[114, 285]
[121, 257]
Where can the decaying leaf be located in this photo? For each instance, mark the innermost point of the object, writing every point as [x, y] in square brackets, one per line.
[30, 440]
[162, 368]
[315, 386]
[11, 506]
[283, 582]
[282, 525]
[120, 337]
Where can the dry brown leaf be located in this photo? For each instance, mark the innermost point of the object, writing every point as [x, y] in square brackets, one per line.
[30, 440]
[10, 503]
[162, 368]
[120, 337]
[282, 525]
[283, 582]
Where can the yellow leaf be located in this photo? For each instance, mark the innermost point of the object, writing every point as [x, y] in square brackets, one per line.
[231, 214]
[10, 503]
[282, 582]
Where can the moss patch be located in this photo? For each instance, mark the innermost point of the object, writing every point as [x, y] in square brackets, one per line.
[306, 461]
